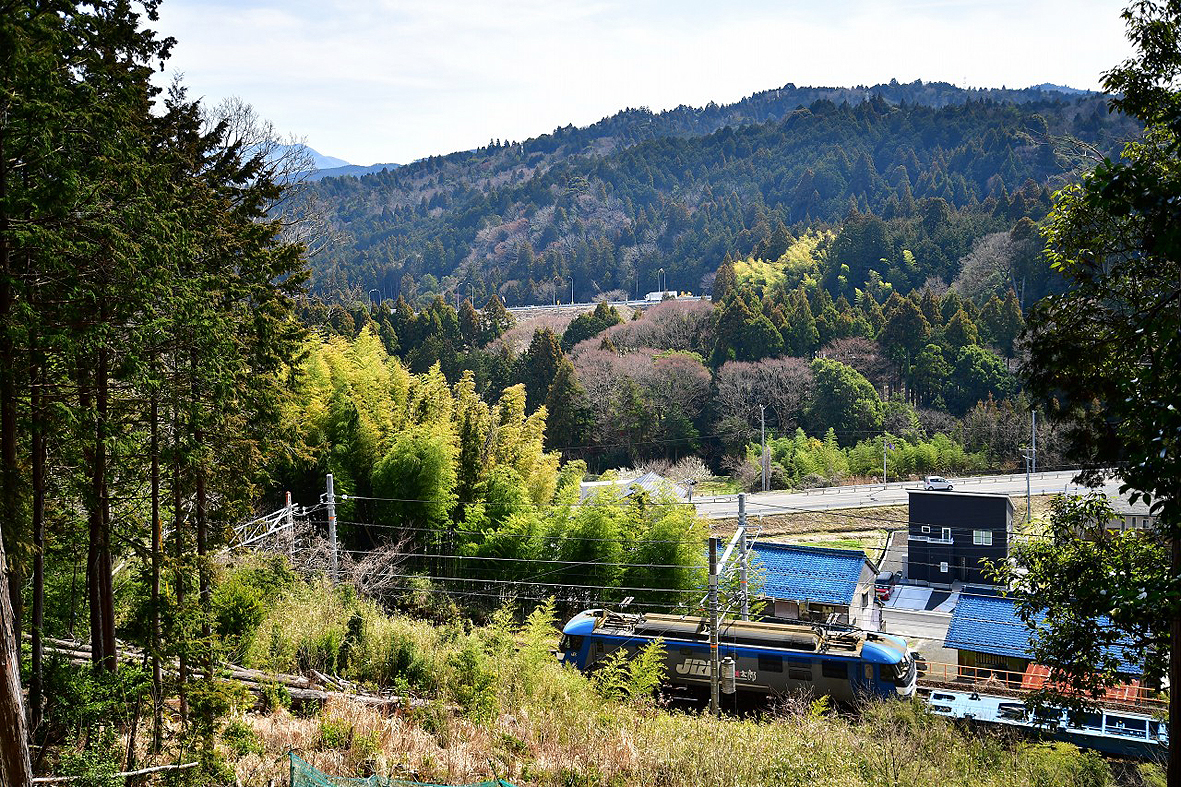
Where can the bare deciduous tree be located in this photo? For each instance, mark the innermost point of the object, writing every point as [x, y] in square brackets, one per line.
[782, 384]
[987, 270]
[672, 325]
[864, 355]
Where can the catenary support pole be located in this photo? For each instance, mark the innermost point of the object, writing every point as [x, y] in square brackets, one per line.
[714, 667]
[330, 501]
[290, 515]
[744, 586]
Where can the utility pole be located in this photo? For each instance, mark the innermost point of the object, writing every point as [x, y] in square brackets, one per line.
[1033, 439]
[885, 445]
[742, 577]
[763, 439]
[330, 501]
[1028, 510]
[714, 667]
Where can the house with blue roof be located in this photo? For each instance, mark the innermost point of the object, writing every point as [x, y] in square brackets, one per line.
[989, 636]
[651, 483]
[816, 583]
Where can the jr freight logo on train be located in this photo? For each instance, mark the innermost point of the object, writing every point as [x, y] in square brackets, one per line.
[699, 668]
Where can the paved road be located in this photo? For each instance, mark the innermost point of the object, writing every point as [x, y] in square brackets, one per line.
[867, 496]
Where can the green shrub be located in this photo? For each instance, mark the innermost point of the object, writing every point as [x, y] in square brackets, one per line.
[94, 763]
[1063, 765]
[241, 739]
[471, 683]
[335, 733]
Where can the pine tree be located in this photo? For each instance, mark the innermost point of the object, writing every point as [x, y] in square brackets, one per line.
[567, 416]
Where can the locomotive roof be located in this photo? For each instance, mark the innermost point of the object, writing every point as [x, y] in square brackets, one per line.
[804, 637]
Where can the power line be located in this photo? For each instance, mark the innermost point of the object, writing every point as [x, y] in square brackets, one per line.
[898, 525]
[510, 559]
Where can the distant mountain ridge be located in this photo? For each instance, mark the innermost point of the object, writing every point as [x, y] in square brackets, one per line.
[1070, 91]
[611, 204]
[355, 170]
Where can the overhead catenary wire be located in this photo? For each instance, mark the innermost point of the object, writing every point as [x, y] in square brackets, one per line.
[897, 525]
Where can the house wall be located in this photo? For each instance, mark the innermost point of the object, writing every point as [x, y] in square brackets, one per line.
[789, 610]
[864, 613]
[963, 515]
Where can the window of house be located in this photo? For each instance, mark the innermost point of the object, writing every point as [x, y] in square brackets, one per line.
[865, 599]
[943, 567]
[926, 528]
[834, 669]
[946, 534]
[982, 538]
[991, 661]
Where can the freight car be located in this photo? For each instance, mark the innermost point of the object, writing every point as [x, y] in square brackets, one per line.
[771, 658]
[1121, 732]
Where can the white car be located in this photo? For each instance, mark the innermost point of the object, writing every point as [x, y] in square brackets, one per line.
[934, 482]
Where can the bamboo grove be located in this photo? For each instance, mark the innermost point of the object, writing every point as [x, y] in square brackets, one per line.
[148, 258]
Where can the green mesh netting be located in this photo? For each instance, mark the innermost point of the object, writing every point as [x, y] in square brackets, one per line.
[304, 775]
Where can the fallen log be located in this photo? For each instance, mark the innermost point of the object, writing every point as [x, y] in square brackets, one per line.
[298, 687]
[121, 775]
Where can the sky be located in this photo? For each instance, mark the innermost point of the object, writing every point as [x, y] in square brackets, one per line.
[385, 81]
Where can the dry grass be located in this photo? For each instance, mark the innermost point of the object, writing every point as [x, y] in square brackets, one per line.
[545, 745]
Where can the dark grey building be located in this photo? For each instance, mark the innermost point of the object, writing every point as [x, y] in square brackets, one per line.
[952, 532]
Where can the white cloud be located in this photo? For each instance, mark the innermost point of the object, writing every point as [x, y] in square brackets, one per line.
[397, 80]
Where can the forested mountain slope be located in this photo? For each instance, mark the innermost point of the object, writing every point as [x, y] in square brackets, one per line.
[611, 204]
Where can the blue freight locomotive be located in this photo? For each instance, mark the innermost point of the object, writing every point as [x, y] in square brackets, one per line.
[771, 658]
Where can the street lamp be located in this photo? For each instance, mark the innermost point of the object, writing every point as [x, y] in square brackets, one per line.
[371, 291]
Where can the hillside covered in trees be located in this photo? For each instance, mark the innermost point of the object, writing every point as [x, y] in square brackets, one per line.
[611, 205]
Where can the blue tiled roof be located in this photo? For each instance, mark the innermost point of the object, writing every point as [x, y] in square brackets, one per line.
[985, 622]
[801, 573]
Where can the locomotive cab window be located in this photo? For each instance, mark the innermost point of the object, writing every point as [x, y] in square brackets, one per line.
[834, 669]
[770, 663]
[571, 644]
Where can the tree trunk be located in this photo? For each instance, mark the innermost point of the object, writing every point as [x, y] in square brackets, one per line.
[203, 583]
[178, 557]
[9, 475]
[103, 581]
[157, 548]
[37, 397]
[16, 770]
[1175, 670]
[93, 519]
[9, 472]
